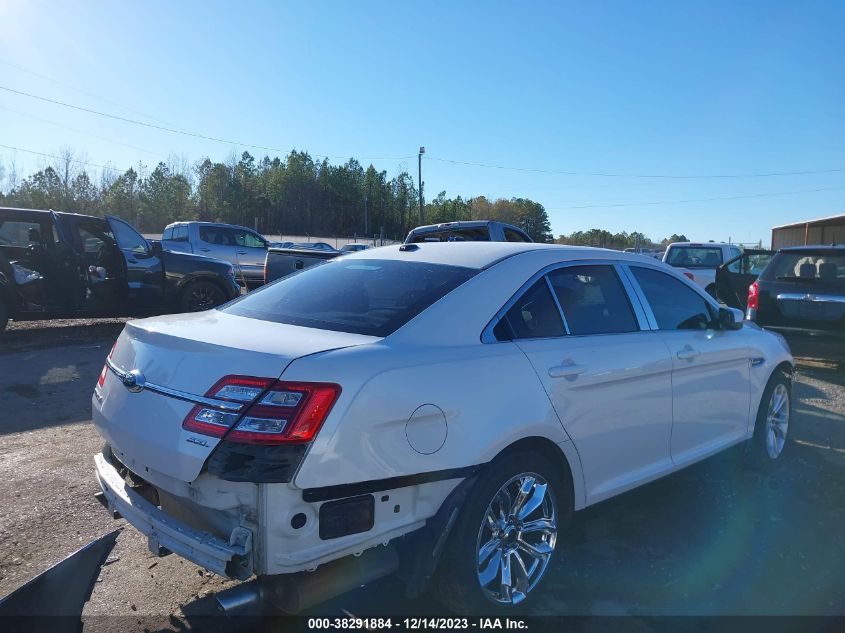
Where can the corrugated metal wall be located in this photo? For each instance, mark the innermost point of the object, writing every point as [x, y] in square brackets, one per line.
[794, 236]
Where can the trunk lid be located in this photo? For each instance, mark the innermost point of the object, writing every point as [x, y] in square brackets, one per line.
[814, 306]
[189, 353]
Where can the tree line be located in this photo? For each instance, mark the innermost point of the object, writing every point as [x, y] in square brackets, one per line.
[619, 241]
[294, 195]
[291, 195]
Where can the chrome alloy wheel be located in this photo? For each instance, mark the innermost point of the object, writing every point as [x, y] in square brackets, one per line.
[777, 421]
[516, 539]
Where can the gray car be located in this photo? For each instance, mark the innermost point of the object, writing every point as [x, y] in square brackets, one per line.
[244, 248]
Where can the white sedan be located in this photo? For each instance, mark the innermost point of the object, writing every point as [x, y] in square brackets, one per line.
[451, 402]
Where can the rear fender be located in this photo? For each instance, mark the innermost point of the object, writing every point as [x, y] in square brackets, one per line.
[175, 287]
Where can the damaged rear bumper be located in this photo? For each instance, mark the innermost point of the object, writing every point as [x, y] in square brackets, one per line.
[232, 559]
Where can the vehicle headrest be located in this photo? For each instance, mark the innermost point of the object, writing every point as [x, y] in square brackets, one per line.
[807, 270]
[828, 271]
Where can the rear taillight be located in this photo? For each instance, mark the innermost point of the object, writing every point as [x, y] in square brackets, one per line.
[753, 301]
[102, 379]
[278, 412]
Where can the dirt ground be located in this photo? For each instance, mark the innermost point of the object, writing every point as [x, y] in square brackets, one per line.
[717, 538]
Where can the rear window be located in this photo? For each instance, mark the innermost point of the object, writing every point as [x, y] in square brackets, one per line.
[806, 266]
[477, 234]
[361, 296]
[694, 256]
[515, 236]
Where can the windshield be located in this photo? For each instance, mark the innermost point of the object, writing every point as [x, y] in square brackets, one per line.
[361, 296]
[807, 266]
[694, 256]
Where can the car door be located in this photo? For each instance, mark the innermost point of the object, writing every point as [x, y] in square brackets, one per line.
[219, 242]
[69, 284]
[608, 380]
[144, 268]
[734, 277]
[27, 248]
[250, 253]
[710, 366]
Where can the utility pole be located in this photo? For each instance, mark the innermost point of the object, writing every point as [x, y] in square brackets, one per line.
[366, 228]
[422, 213]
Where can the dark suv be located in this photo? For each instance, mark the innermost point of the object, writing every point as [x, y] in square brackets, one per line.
[55, 265]
[801, 295]
[468, 231]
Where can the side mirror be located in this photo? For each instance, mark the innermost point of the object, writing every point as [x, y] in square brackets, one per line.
[730, 319]
[155, 247]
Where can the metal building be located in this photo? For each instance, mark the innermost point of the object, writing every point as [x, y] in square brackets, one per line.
[830, 230]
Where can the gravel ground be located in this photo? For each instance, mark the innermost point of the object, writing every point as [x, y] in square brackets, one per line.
[716, 538]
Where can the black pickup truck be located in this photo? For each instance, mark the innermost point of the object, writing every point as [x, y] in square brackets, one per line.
[65, 265]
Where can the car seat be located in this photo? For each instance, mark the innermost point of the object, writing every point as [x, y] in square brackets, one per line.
[807, 270]
[828, 271]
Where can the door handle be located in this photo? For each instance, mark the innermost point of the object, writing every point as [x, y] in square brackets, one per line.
[241, 252]
[687, 353]
[205, 250]
[564, 371]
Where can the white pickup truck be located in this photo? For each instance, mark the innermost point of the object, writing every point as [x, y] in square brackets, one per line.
[699, 261]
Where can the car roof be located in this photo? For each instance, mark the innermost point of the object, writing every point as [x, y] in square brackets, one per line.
[702, 244]
[461, 224]
[481, 255]
[46, 211]
[237, 226]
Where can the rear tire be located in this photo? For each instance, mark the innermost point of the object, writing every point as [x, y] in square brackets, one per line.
[491, 562]
[769, 445]
[201, 295]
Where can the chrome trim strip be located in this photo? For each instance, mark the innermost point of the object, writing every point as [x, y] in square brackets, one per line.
[643, 310]
[557, 303]
[175, 393]
[810, 297]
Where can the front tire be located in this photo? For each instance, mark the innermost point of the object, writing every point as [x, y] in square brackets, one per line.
[201, 295]
[504, 542]
[773, 425]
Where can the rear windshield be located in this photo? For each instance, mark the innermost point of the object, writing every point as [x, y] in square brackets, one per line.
[806, 266]
[477, 234]
[361, 296]
[694, 256]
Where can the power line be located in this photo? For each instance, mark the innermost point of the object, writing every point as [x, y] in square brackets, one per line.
[621, 175]
[206, 137]
[177, 131]
[659, 202]
[73, 160]
[80, 91]
[92, 135]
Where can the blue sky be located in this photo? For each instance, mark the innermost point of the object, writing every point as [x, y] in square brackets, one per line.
[648, 88]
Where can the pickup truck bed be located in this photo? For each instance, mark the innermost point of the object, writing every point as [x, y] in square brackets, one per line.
[281, 262]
